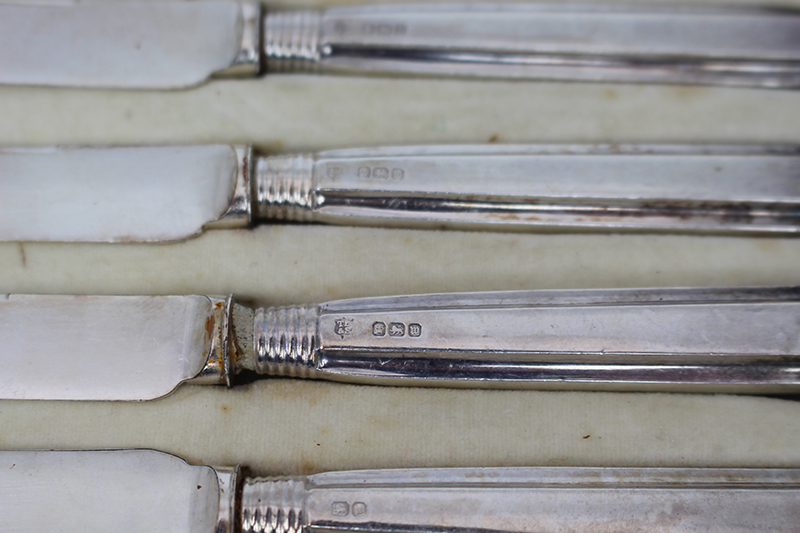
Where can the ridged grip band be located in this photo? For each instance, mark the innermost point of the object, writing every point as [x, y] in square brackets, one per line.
[291, 41]
[273, 505]
[286, 340]
[284, 187]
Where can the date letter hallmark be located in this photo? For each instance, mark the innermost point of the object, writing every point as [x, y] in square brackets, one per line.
[396, 329]
[345, 508]
[342, 327]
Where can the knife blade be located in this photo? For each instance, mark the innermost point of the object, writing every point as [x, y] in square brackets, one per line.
[742, 340]
[145, 491]
[174, 192]
[177, 44]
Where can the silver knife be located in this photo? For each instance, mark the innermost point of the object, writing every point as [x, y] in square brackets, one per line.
[145, 491]
[174, 192]
[178, 44]
[743, 340]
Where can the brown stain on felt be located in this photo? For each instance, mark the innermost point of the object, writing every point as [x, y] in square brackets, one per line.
[307, 467]
[22, 255]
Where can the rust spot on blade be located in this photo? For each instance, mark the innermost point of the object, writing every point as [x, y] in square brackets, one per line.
[209, 327]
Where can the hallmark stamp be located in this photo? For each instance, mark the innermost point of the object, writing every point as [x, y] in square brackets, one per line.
[379, 329]
[378, 28]
[340, 508]
[344, 508]
[342, 327]
[381, 173]
[396, 329]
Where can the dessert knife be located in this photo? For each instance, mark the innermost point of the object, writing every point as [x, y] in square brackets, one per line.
[178, 44]
[145, 491]
[174, 192]
[744, 340]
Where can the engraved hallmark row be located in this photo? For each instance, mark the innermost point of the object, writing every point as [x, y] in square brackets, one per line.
[343, 327]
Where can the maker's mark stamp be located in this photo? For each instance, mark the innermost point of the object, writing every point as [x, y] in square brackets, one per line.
[342, 327]
[334, 171]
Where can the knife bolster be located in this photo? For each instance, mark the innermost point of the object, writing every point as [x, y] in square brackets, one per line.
[239, 213]
[273, 505]
[291, 41]
[218, 368]
[247, 62]
[229, 483]
[285, 342]
[284, 187]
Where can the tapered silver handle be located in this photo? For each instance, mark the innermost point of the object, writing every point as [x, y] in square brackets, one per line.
[753, 47]
[525, 500]
[666, 188]
[743, 340]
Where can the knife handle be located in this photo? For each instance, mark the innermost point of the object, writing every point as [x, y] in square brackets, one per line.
[503, 187]
[731, 340]
[748, 47]
[522, 500]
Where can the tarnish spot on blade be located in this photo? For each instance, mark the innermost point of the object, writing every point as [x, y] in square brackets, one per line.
[117, 44]
[132, 491]
[100, 347]
[113, 194]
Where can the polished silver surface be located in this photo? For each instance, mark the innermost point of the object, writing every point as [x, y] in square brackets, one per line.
[142, 347]
[228, 481]
[728, 46]
[128, 491]
[526, 500]
[699, 340]
[702, 188]
[247, 62]
[239, 213]
[121, 194]
[177, 44]
[135, 44]
[104, 347]
[138, 491]
[285, 187]
[169, 193]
